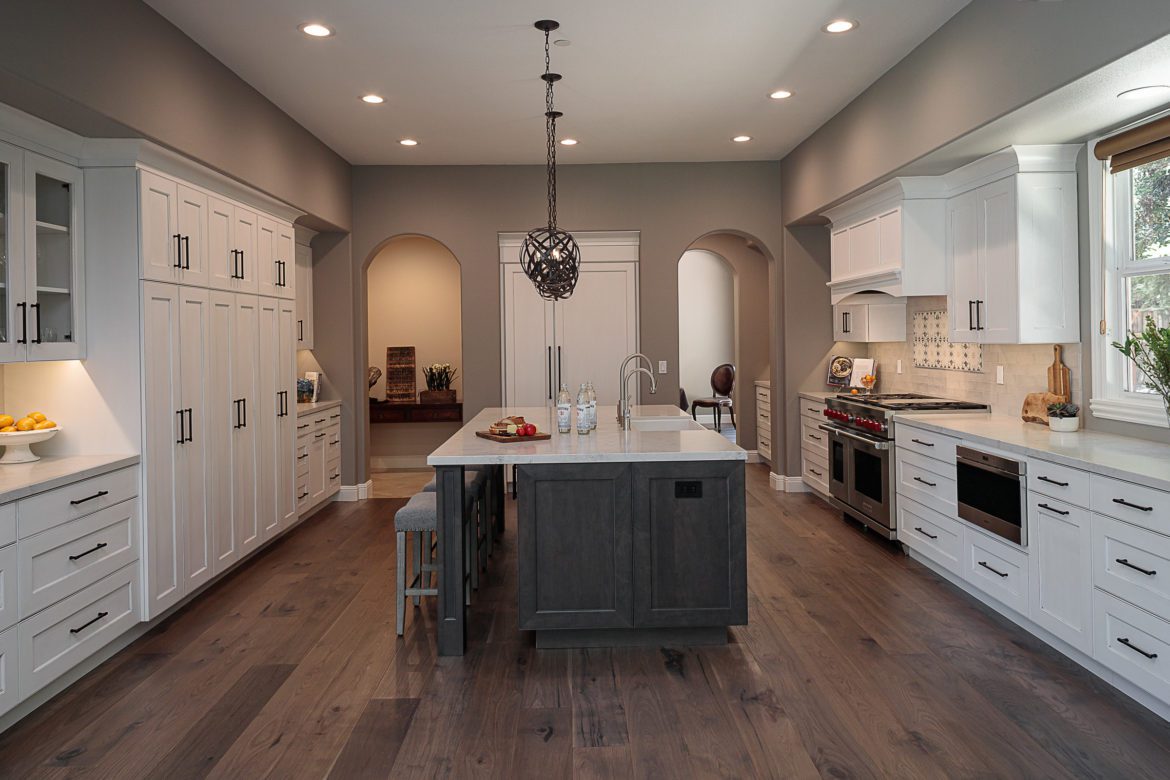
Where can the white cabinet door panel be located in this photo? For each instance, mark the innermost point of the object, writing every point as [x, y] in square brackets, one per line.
[222, 260]
[192, 214]
[195, 362]
[268, 406]
[220, 419]
[529, 351]
[597, 327]
[244, 347]
[963, 266]
[304, 295]
[286, 505]
[998, 301]
[1061, 594]
[160, 240]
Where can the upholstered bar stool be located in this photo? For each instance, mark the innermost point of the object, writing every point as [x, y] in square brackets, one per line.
[417, 520]
[476, 506]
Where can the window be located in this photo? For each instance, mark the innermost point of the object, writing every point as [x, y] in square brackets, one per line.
[1130, 233]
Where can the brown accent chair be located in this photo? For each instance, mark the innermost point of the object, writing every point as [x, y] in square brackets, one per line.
[722, 385]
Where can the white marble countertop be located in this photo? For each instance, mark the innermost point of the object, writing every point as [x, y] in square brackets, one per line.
[1122, 457]
[608, 444]
[319, 406]
[19, 480]
[763, 383]
[818, 395]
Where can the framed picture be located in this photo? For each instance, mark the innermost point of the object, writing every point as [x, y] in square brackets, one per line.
[840, 370]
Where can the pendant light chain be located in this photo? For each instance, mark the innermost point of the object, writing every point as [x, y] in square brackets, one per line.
[551, 133]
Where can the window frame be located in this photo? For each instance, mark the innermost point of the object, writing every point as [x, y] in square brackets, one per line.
[1111, 262]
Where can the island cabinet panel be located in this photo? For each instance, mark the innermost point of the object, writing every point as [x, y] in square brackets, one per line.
[574, 534]
[690, 544]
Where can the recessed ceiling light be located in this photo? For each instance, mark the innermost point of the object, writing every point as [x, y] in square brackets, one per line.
[740, 139]
[1145, 93]
[780, 94]
[562, 42]
[373, 99]
[316, 30]
[568, 142]
[408, 142]
[840, 26]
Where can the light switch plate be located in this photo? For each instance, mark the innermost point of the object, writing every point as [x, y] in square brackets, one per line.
[662, 366]
[999, 375]
[899, 366]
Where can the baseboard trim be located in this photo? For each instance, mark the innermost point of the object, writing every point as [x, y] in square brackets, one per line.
[355, 492]
[782, 484]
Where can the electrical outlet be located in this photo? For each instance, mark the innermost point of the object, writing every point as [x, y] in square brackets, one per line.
[999, 375]
[662, 366]
[899, 366]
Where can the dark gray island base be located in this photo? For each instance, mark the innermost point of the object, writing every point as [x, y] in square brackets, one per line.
[642, 553]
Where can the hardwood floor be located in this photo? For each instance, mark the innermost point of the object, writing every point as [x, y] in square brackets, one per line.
[857, 663]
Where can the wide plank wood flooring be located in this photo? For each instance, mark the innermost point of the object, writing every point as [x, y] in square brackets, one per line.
[858, 662]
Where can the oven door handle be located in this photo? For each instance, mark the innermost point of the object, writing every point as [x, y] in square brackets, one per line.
[877, 445]
[990, 469]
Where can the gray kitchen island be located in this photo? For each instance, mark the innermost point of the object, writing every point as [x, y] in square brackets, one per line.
[623, 537]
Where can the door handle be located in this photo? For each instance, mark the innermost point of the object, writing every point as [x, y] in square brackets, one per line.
[924, 482]
[88, 623]
[1135, 648]
[23, 323]
[923, 443]
[1052, 481]
[1138, 507]
[98, 494]
[190, 426]
[181, 438]
[186, 253]
[550, 394]
[560, 375]
[37, 306]
[244, 404]
[300, 330]
[242, 274]
[239, 417]
[90, 551]
[178, 250]
[979, 315]
[1053, 509]
[971, 315]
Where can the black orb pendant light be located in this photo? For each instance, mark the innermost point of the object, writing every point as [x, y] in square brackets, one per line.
[550, 256]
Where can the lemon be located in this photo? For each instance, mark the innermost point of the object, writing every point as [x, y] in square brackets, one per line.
[44, 425]
[8, 429]
[37, 417]
[26, 424]
[6, 420]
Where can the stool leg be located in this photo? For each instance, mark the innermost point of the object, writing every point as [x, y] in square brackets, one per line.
[418, 552]
[400, 582]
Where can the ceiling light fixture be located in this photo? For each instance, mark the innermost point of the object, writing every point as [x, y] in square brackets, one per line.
[316, 30]
[408, 142]
[1148, 92]
[742, 139]
[840, 26]
[562, 42]
[550, 256]
[568, 142]
[780, 94]
[373, 100]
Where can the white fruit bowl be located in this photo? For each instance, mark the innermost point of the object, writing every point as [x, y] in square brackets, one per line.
[16, 444]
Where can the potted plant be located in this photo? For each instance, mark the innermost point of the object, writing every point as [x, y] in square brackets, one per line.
[1064, 417]
[439, 377]
[1150, 352]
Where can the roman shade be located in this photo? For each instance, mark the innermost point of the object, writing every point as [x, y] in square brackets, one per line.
[1137, 146]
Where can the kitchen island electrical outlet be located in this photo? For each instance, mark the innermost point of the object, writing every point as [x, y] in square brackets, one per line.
[662, 366]
[899, 366]
[999, 375]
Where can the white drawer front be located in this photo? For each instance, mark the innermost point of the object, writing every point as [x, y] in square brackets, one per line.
[65, 559]
[302, 493]
[333, 442]
[814, 438]
[997, 569]
[928, 443]
[814, 410]
[929, 482]
[7, 524]
[936, 536]
[304, 426]
[333, 473]
[303, 457]
[1132, 563]
[9, 606]
[54, 507]
[1133, 643]
[56, 639]
[815, 470]
[9, 671]
[1133, 503]
[764, 447]
[763, 394]
[1057, 481]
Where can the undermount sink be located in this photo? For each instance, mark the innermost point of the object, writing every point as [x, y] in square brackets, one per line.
[664, 424]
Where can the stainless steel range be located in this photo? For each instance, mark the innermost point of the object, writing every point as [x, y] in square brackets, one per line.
[861, 451]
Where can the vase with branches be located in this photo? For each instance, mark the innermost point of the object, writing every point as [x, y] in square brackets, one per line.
[439, 376]
[1149, 350]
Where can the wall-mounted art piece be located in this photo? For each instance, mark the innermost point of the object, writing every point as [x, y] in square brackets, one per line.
[933, 347]
[400, 375]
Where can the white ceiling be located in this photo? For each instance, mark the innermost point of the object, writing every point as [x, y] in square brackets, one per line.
[644, 80]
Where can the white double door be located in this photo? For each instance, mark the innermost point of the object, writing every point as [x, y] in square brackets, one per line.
[581, 339]
[219, 433]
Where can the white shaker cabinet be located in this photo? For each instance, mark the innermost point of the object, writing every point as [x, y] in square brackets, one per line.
[172, 230]
[245, 421]
[304, 296]
[870, 318]
[275, 416]
[275, 258]
[1060, 539]
[232, 243]
[220, 419]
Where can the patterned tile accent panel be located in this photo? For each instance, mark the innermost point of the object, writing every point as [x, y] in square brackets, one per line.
[933, 347]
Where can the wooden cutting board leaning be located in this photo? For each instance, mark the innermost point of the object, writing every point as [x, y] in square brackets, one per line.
[1059, 390]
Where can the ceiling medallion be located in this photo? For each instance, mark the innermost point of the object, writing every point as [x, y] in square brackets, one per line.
[550, 256]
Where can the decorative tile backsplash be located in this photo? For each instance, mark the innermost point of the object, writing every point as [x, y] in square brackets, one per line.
[933, 348]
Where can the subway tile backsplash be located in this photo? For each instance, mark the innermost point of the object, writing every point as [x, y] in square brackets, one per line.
[1025, 369]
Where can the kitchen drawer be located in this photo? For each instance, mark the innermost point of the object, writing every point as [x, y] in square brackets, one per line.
[57, 638]
[929, 482]
[1130, 502]
[763, 419]
[814, 410]
[304, 427]
[764, 445]
[333, 442]
[9, 604]
[65, 559]
[302, 493]
[54, 507]
[999, 570]
[1133, 643]
[933, 445]
[7, 523]
[1144, 577]
[1057, 481]
[815, 470]
[333, 474]
[763, 395]
[934, 535]
[302, 460]
[9, 693]
[814, 438]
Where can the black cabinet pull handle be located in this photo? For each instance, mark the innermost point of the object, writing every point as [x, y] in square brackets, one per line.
[1147, 572]
[302, 427]
[923, 443]
[1125, 641]
[1139, 507]
[979, 315]
[1052, 509]
[186, 253]
[811, 470]
[190, 426]
[23, 323]
[334, 416]
[98, 494]
[239, 424]
[91, 550]
[560, 374]
[242, 266]
[178, 250]
[182, 438]
[926, 533]
[244, 403]
[300, 330]
[924, 482]
[971, 315]
[302, 457]
[88, 623]
[814, 436]
[1052, 481]
[335, 476]
[992, 569]
[37, 306]
[319, 436]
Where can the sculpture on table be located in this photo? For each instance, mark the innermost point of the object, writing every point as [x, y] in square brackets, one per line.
[373, 374]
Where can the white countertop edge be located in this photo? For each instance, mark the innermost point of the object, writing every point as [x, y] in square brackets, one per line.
[52, 472]
[574, 458]
[317, 406]
[817, 395]
[1147, 454]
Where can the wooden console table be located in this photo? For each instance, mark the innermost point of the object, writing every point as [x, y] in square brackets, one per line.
[386, 412]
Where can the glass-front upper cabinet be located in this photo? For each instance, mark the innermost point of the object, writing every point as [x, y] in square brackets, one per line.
[51, 314]
[11, 251]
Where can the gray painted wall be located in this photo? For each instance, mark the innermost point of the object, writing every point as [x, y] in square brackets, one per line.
[117, 68]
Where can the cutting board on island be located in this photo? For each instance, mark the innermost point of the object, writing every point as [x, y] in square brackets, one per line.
[509, 439]
[1036, 404]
